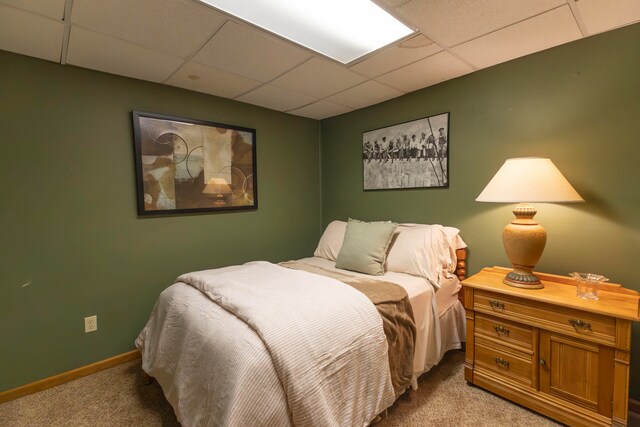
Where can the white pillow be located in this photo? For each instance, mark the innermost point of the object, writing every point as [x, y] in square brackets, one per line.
[453, 234]
[331, 241]
[421, 250]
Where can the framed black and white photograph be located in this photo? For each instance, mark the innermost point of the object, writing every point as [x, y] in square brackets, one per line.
[187, 165]
[413, 154]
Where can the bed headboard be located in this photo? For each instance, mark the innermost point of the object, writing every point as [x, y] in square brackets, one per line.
[461, 266]
[461, 270]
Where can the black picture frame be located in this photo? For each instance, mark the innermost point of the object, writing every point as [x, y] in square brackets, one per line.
[412, 154]
[188, 166]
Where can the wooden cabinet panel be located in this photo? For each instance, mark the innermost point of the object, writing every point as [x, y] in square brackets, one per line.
[577, 371]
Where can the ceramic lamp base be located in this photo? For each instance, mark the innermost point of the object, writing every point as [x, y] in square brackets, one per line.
[524, 240]
[522, 279]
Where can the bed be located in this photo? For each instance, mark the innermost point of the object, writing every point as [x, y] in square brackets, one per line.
[304, 347]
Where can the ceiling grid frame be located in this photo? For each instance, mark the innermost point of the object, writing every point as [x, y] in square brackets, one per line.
[68, 4]
[578, 17]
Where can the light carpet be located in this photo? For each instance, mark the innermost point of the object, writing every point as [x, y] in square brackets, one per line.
[120, 397]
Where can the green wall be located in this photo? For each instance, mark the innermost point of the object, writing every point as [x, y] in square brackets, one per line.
[69, 221]
[578, 104]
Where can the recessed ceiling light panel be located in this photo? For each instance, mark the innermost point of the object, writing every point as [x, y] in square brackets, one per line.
[343, 30]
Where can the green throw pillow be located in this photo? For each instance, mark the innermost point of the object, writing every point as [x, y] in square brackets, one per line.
[364, 248]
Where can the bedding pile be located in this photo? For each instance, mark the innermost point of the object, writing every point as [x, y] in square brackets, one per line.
[332, 363]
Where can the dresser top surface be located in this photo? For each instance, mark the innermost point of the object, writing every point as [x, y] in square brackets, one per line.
[614, 300]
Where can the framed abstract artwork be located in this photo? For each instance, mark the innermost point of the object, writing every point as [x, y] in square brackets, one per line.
[413, 154]
[186, 165]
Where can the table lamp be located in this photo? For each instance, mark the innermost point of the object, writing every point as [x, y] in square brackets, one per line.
[527, 180]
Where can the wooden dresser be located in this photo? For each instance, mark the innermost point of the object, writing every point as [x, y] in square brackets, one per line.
[548, 350]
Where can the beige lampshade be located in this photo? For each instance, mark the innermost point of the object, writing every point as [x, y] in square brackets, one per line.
[529, 179]
[217, 186]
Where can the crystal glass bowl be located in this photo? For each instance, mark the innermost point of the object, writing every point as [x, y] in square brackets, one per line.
[587, 284]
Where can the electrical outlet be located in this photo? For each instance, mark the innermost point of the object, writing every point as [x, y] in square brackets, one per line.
[90, 324]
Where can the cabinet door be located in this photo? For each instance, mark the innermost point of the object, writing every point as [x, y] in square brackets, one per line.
[577, 371]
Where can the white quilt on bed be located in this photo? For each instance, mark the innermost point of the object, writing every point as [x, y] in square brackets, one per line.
[333, 367]
[427, 304]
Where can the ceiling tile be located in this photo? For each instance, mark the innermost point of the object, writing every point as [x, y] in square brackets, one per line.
[542, 32]
[51, 8]
[319, 78]
[28, 34]
[276, 98]
[178, 27]
[368, 93]
[201, 78]
[429, 71]
[320, 110]
[103, 53]
[603, 15]
[251, 53]
[452, 22]
[394, 57]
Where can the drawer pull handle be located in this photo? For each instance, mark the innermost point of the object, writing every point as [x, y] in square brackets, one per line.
[580, 325]
[501, 363]
[501, 330]
[542, 362]
[496, 305]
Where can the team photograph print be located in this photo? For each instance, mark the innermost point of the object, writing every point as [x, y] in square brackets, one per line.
[414, 154]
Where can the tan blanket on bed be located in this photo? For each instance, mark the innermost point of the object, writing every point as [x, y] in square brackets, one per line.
[392, 303]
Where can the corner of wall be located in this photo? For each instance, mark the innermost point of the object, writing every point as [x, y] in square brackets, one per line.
[321, 216]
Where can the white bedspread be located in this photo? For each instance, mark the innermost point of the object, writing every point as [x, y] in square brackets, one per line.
[327, 366]
[428, 306]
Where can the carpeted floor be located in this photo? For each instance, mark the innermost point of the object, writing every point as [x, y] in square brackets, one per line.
[120, 397]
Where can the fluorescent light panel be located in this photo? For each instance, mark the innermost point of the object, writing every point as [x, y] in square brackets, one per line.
[340, 29]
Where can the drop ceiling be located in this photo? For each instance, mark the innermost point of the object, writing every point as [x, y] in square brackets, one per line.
[188, 44]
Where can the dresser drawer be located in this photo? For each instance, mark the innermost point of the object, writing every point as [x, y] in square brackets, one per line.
[510, 333]
[506, 362]
[585, 325]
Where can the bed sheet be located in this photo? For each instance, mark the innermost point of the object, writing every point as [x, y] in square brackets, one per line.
[448, 294]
